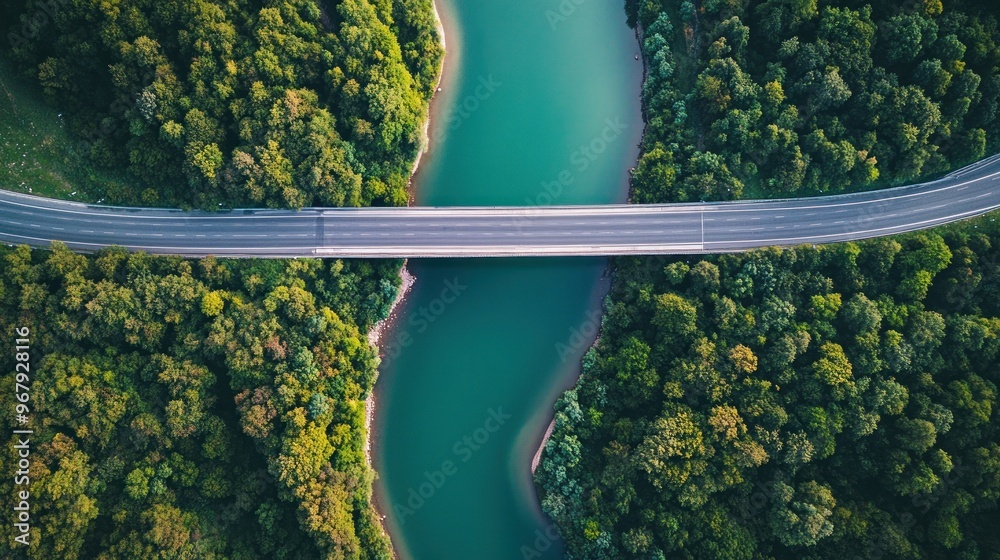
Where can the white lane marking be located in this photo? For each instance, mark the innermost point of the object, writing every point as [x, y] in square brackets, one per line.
[864, 234]
[447, 250]
[760, 207]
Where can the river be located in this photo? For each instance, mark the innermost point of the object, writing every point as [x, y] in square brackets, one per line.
[540, 106]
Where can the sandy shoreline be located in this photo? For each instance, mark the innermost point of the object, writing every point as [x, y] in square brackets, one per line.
[425, 139]
[374, 337]
[537, 459]
[408, 280]
[376, 332]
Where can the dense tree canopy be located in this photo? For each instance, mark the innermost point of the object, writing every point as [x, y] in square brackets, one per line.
[785, 96]
[281, 103]
[195, 409]
[817, 402]
[212, 409]
[804, 405]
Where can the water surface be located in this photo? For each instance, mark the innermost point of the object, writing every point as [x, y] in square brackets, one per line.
[540, 107]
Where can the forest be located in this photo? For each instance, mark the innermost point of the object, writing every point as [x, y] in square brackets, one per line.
[830, 402]
[799, 97]
[823, 403]
[277, 103]
[208, 408]
[195, 409]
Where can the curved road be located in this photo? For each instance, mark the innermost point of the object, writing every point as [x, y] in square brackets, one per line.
[480, 232]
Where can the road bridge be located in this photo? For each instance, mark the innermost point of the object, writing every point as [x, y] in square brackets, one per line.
[504, 231]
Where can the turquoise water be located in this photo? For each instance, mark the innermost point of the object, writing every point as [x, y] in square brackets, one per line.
[540, 107]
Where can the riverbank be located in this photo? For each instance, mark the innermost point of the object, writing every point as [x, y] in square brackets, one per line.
[608, 277]
[374, 338]
[444, 91]
[444, 20]
[435, 99]
[594, 315]
[537, 459]
[407, 280]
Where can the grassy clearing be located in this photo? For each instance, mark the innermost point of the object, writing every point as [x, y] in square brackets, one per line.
[37, 153]
[35, 148]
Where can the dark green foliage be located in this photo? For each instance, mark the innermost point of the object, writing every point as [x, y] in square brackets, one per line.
[814, 403]
[762, 418]
[195, 409]
[799, 96]
[281, 104]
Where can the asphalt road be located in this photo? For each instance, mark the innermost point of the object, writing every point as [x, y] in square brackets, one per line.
[507, 231]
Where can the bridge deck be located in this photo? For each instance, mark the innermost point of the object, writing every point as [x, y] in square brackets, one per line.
[507, 231]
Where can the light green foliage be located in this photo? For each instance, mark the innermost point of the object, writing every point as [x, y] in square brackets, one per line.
[172, 401]
[667, 452]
